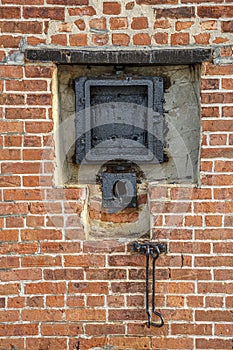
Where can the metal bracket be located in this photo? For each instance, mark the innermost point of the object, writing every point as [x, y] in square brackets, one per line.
[152, 250]
[119, 191]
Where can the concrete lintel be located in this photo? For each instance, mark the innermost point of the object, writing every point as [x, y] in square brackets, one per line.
[171, 56]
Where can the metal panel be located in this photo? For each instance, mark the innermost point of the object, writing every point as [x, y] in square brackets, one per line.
[119, 191]
[122, 119]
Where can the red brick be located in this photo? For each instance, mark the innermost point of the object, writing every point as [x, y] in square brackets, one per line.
[213, 220]
[43, 208]
[120, 39]
[162, 23]
[20, 275]
[34, 41]
[141, 39]
[212, 112]
[32, 141]
[38, 71]
[139, 23]
[161, 38]
[9, 12]
[12, 99]
[19, 248]
[86, 315]
[100, 39]
[175, 301]
[35, 302]
[10, 181]
[224, 247]
[195, 301]
[88, 287]
[18, 329]
[183, 25]
[98, 23]
[75, 301]
[21, 168]
[45, 288]
[84, 260]
[8, 289]
[11, 72]
[223, 166]
[10, 195]
[195, 329]
[226, 51]
[215, 11]
[55, 13]
[115, 301]
[179, 39]
[21, 27]
[227, 84]
[215, 287]
[218, 139]
[106, 274]
[13, 141]
[9, 316]
[214, 302]
[41, 261]
[126, 342]
[59, 39]
[214, 315]
[126, 314]
[194, 220]
[175, 12]
[118, 23]
[68, 2]
[40, 99]
[93, 301]
[42, 315]
[14, 222]
[82, 11]
[202, 38]
[217, 125]
[64, 274]
[213, 343]
[212, 69]
[111, 8]
[34, 221]
[10, 154]
[25, 113]
[40, 234]
[80, 24]
[13, 209]
[16, 302]
[39, 127]
[213, 261]
[61, 329]
[105, 329]
[228, 221]
[78, 40]
[126, 260]
[9, 41]
[37, 181]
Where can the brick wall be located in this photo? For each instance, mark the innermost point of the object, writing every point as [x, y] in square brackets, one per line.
[57, 288]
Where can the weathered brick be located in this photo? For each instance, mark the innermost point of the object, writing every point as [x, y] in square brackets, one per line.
[120, 39]
[78, 40]
[111, 8]
[141, 39]
[82, 11]
[215, 11]
[118, 23]
[139, 23]
[55, 13]
[175, 12]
